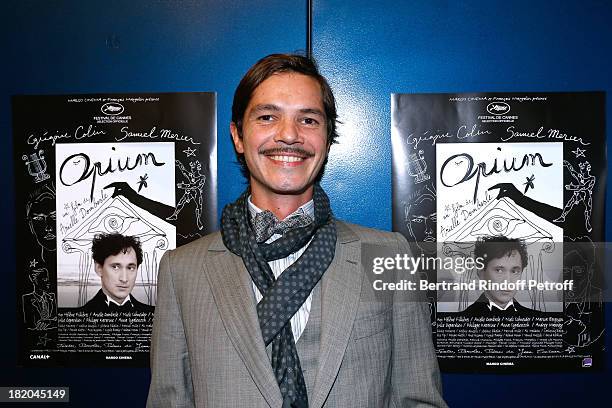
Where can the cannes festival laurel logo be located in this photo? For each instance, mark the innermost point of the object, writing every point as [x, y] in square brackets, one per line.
[112, 108]
[498, 108]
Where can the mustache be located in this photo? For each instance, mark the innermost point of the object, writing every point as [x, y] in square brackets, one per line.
[280, 150]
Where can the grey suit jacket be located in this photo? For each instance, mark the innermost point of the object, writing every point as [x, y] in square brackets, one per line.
[207, 348]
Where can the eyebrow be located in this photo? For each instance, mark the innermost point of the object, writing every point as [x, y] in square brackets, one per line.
[271, 107]
[265, 107]
[314, 111]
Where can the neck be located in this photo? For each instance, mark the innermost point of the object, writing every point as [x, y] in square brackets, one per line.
[501, 305]
[281, 205]
[119, 301]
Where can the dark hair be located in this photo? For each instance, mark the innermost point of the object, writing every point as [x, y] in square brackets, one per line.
[277, 64]
[498, 246]
[105, 245]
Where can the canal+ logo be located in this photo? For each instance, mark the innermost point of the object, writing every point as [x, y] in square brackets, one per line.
[112, 109]
[498, 108]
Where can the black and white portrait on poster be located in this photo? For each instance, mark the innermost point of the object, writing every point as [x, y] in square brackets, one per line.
[519, 181]
[106, 184]
[78, 224]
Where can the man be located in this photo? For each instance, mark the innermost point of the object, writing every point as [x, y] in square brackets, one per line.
[116, 260]
[39, 306]
[278, 315]
[504, 258]
[40, 213]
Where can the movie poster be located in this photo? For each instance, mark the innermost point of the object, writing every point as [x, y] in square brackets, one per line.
[91, 171]
[521, 176]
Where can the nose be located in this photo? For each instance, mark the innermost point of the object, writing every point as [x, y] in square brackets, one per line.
[428, 229]
[288, 132]
[48, 226]
[123, 276]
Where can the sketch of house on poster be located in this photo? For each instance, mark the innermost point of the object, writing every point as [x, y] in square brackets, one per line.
[85, 208]
[492, 189]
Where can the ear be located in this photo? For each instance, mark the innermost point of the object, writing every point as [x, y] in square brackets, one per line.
[98, 269]
[236, 138]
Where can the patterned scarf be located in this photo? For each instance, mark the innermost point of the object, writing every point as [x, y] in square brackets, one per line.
[283, 297]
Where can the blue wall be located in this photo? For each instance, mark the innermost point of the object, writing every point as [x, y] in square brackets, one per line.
[60, 47]
[370, 49]
[367, 49]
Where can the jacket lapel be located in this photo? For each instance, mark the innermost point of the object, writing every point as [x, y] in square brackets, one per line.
[340, 292]
[232, 291]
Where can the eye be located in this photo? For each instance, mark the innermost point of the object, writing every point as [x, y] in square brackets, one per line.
[417, 219]
[496, 222]
[38, 217]
[433, 217]
[265, 118]
[310, 121]
[113, 219]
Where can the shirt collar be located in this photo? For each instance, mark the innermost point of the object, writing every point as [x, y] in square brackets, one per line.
[109, 300]
[492, 305]
[307, 208]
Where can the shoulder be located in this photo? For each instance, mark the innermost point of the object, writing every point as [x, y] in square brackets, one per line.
[477, 308]
[184, 263]
[195, 249]
[369, 235]
[525, 311]
[139, 306]
[95, 304]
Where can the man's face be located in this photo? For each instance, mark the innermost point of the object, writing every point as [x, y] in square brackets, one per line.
[504, 269]
[284, 136]
[118, 274]
[421, 220]
[40, 280]
[42, 221]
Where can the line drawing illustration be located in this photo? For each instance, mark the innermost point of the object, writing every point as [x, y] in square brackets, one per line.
[117, 215]
[37, 166]
[417, 167]
[190, 235]
[585, 301]
[40, 214]
[529, 183]
[121, 188]
[420, 218]
[500, 217]
[578, 152]
[190, 152]
[43, 340]
[142, 182]
[39, 306]
[193, 190]
[582, 192]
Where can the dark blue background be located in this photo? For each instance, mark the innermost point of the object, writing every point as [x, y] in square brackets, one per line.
[367, 49]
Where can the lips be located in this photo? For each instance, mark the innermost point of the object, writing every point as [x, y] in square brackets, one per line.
[287, 154]
[287, 159]
[49, 236]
